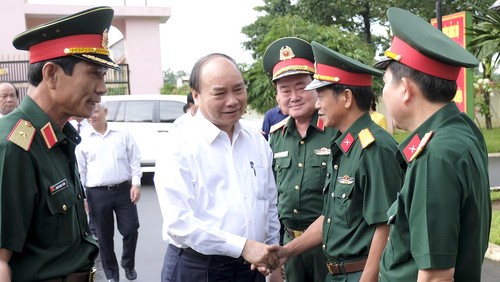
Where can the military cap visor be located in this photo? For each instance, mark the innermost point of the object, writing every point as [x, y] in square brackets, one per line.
[333, 67]
[421, 46]
[83, 35]
[288, 56]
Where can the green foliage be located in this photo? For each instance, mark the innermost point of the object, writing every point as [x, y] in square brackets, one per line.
[495, 196]
[174, 90]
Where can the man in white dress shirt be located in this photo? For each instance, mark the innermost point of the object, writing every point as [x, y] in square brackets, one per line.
[215, 184]
[110, 170]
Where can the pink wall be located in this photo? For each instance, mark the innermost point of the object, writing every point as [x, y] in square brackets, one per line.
[139, 25]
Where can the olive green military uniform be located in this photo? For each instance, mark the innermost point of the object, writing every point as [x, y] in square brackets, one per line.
[300, 169]
[43, 220]
[363, 180]
[444, 206]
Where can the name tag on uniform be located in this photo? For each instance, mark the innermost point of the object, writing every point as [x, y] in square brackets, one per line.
[281, 154]
[59, 186]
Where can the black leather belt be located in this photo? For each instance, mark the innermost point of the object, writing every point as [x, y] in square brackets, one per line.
[214, 258]
[76, 277]
[125, 185]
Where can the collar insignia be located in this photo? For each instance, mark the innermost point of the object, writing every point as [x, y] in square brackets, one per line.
[347, 143]
[421, 145]
[286, 53]
[411, 148]
[49, 136]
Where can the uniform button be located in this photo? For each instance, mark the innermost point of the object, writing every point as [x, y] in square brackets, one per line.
[302, 142]
[86, 234]
[335, 167]
[327, 174]
[301, 165]
[79, 197]
[323, 163]
[324, 247]
[64, 142]
[297, 187]
[64, 207]
[343, 195]
[333, 194]
[295, 211]
[328, 220]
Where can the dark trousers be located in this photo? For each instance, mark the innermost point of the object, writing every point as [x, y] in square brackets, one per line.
[102, 203]
[181, 266]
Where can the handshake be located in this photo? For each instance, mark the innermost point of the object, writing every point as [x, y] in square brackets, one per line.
[265, 258]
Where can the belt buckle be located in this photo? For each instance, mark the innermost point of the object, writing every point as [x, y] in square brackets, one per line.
[92, 273]
[335, 268]
[297, 233]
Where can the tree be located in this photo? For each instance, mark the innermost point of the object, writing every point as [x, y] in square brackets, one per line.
[485, 45]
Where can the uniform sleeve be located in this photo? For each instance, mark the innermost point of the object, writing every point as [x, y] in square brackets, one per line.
[381, 180]
[134, 159]
[434, 213]
[18, 192]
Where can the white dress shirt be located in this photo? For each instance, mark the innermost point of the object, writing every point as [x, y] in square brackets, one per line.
[108, 159]
[215, 195]
[85, 127]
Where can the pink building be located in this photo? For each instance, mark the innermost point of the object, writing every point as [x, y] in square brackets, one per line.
[139, 25]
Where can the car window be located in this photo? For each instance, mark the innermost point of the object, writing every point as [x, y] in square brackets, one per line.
[170, 110]
[136, 111]
[112, 108]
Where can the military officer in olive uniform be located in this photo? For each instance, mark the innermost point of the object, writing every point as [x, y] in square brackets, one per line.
[300, 146]
[363, 175]
[440, 222]
[44, 230]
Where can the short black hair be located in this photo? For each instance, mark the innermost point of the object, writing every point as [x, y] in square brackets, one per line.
[66, 63]
[434, 89]
[362, 94]
[189, 98]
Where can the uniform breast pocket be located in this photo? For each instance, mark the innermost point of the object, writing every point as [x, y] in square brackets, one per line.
[342, 200]
[318, 166]
[62, 206]
[281, 165]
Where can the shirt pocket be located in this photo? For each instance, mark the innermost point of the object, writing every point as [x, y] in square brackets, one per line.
[281, 165]
[318, 166]
[342, 200]
[62, 207]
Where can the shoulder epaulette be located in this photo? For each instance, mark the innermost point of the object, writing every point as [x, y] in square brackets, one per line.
[366, 137]
[278, 125]
[22, 134]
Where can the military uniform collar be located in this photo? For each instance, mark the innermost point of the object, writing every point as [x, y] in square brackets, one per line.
[316, 123]
[346, 139]
[52, 135]
[408, 147]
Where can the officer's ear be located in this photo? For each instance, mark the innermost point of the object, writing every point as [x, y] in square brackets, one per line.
[347, 98]
[49, 74]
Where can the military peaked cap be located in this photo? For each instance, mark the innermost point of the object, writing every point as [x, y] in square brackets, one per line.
[288, 56]
[333, 67]
[421, 46]
[83, 35]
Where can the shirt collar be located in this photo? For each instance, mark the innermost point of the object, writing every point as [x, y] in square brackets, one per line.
[316, 123]
[39, 119]
[346, 139]
[210, 131]
[430, 124]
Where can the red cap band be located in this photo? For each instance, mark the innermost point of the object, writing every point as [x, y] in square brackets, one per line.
[333, 74]
[407, 55]
[60, 47]
[293, 64]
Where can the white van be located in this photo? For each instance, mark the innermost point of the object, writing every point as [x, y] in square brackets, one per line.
[147, 117]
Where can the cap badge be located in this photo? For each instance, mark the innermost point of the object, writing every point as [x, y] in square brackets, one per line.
[105, 39]
[286, 53]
